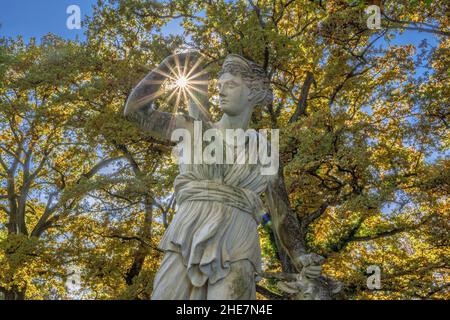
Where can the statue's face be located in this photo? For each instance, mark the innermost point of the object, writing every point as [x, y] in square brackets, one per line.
[233, 94]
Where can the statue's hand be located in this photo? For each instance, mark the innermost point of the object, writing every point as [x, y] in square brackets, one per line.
[190, 64]
[148, 88]
[309, 264]
[188, 59]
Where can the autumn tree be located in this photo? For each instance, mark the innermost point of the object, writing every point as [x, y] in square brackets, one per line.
[363, 131]
[357, 133]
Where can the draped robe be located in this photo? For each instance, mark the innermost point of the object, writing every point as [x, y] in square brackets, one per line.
[215, 227]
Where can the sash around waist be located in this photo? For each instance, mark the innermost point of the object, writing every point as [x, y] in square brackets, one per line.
[209, 190]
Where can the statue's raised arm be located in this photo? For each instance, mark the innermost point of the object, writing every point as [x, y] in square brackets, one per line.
[188, 80]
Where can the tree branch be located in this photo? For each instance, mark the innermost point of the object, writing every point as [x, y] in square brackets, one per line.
[268, 293]
[300, 110]
[416, 26]
[44, 221]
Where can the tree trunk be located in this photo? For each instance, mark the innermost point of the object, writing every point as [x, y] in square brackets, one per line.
[12, 294]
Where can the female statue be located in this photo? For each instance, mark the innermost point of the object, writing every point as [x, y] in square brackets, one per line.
[212, 246]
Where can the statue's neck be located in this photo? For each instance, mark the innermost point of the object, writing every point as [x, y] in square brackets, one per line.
[235, 122]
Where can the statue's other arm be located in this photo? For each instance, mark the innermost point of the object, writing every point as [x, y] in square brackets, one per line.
[287, 228]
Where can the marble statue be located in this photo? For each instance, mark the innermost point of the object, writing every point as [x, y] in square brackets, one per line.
[211, 247]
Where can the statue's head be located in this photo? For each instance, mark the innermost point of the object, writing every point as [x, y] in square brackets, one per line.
[243, 84]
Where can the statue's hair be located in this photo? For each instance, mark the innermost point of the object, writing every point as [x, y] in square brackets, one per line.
[253, 75]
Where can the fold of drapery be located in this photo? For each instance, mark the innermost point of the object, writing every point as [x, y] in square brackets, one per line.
[216, 223]
[210, 236]
[190, 187]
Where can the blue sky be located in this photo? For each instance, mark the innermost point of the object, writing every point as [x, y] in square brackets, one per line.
[36, 18]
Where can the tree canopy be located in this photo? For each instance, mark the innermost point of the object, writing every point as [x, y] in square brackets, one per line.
[364, 140]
